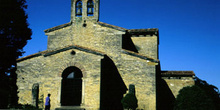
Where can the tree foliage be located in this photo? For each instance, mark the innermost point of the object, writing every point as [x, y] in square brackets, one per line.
[201, 96]
[210, 90]
[193, 98]
[14, 33]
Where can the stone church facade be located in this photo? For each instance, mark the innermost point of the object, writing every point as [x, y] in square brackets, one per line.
[89, 64]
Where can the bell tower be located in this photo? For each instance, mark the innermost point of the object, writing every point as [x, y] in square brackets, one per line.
[84, 10]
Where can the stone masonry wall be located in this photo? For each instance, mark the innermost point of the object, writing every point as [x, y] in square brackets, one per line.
[92, 36]
[147, 45]
[47, 72]
[95, 16]
[59, 39]
[143, 75]
[176, 85]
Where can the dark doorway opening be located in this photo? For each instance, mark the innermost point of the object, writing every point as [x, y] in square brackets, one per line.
[71, 88]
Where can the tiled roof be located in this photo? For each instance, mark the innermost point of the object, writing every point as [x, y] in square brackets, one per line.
[143, 30]
[179, 73]
[140, 55]
[112, 26]
[52, 52]
[30, 56]
[150, 31]
[58, 27]
[131, 31]
[81, 48]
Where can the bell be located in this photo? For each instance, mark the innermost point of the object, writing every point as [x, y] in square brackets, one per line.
[90, 4]
[79, 5]
[90, 11]
[79, 11]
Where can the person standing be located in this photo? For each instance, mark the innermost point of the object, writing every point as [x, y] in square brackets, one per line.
[47, 102]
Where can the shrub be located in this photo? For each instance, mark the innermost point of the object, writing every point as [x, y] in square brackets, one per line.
[129, 101]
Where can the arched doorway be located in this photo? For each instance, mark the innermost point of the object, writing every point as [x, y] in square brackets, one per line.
[71, 88]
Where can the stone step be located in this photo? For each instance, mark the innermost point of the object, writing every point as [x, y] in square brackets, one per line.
[70, 108]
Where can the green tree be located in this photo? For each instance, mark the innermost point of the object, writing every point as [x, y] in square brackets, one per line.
[193, 98]
[201, 96]
[14, 33]
[210, 90]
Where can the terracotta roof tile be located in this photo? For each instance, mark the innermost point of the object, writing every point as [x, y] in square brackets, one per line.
[143, 30]
[106, 25]
[58, 27]
[30, 56]
[183, 73]
[52, 52]
[112, 26]
[150, 31]
[140, 55]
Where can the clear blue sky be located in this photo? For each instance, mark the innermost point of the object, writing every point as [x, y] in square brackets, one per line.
[187, 28]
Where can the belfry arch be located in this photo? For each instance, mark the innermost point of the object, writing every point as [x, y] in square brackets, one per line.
[79, 9]
[71, 87]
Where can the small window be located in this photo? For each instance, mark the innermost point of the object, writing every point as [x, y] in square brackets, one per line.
[90, 8]
[79, 8]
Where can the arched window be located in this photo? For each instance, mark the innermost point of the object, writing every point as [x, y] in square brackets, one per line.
[79, 8]
[90, 8]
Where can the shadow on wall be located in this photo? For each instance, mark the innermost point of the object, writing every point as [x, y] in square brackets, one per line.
[130, 101]
[165, 97]
[128, 44]
[112, 86]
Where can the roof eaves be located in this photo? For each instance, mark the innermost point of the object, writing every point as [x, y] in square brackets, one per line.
[52, 52]
[151, 31]
[96, 52]
[177, 73]
[30, 56]
[144, 30]
[139, 55]
[112, 26]
[58, 27]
